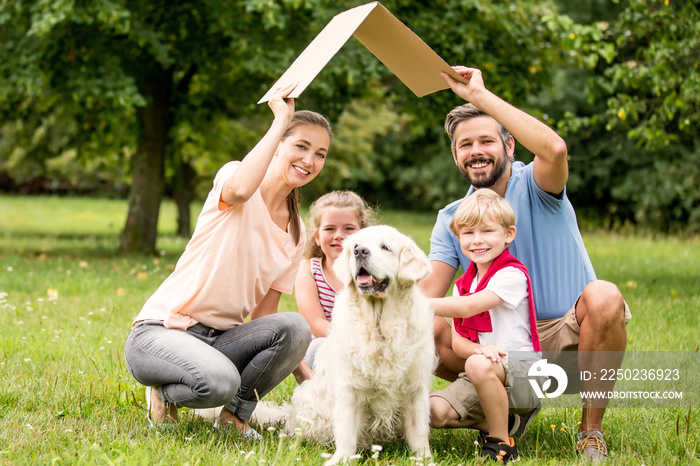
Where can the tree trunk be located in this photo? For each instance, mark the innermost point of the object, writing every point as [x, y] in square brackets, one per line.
[184, 195]
[140, 231]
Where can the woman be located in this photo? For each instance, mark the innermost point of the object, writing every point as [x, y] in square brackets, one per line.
[190, 344]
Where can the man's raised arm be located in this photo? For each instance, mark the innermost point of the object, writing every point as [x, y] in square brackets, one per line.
[551, 167]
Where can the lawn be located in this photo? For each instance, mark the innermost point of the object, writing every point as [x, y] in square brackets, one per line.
[67, 300]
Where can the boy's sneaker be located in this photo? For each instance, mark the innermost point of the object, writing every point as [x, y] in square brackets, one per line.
[591, 446]
[500, 451]
[516, 426]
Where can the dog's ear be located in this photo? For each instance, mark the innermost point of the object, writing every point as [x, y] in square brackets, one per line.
[413, 265]
[341, 266]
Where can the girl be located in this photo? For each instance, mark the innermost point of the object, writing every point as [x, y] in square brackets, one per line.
[190, 344]
[334, 216]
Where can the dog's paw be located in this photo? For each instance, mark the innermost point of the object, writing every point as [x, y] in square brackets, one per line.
[210, 414]
[422, 455]
[424, 452]
[341, 458]
[267, 414]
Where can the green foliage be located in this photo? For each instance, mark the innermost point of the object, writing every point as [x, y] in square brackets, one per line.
[633, 140]
[620, 80]
[669, 201]
[42, 145]
[653, 79]
[92, 59]
[137, 70]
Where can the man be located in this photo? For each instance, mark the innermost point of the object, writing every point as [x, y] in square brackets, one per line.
[575, 311]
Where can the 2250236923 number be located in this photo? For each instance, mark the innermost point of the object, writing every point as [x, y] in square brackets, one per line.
[639, 374]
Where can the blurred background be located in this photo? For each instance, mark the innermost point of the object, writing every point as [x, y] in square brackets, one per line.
[144, 101]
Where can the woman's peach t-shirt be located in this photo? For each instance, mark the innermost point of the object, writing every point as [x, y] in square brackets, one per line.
[235, 256]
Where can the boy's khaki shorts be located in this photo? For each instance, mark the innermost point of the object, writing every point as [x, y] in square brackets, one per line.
[555, 335]
[461, 394]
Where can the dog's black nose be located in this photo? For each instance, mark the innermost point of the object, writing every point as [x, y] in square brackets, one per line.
[361, 252]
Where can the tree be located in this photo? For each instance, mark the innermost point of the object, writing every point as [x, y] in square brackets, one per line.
[148, 82]
[647, 70]
[632, 133]
[148, 66]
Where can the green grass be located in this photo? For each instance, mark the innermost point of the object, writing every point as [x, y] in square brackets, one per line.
[67, 301]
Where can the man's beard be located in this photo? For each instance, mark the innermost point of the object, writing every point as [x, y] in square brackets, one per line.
[498, 170]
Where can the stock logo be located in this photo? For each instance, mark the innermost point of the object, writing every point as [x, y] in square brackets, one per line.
[551, 371]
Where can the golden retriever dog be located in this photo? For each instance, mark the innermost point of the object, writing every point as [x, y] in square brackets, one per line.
[373, 373]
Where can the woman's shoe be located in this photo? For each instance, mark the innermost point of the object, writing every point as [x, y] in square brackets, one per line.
[158, 412]
[250, 434]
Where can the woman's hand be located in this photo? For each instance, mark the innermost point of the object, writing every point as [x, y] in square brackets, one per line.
[281, 108]
[302, 372]
[250, 174]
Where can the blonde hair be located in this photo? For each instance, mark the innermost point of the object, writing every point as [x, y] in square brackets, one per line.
[482, 205]
[334, 200]
[302, 117]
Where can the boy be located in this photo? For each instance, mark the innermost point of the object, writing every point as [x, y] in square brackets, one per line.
[493, 314]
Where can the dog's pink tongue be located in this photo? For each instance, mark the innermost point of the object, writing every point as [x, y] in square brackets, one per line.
[364, 279]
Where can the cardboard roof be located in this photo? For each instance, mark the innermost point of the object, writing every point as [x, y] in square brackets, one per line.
[394, 44]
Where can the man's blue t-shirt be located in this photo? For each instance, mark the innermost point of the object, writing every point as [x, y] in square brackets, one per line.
[547, 241]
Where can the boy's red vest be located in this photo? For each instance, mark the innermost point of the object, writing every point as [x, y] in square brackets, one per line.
[471, 326]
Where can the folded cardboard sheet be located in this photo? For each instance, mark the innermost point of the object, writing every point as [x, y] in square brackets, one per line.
[394, 44]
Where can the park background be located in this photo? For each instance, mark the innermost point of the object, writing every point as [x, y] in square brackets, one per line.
[115, 115]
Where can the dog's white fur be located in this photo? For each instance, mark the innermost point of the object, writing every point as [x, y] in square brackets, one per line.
[372, 375]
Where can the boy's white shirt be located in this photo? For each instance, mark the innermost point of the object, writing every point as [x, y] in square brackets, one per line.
[510, 321]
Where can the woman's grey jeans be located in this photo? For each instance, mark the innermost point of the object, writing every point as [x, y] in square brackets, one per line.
[204, 367]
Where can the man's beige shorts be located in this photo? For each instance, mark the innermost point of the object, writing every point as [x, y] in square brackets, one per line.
[563, 334]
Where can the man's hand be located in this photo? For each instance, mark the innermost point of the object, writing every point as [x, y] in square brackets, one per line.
[474, 85]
